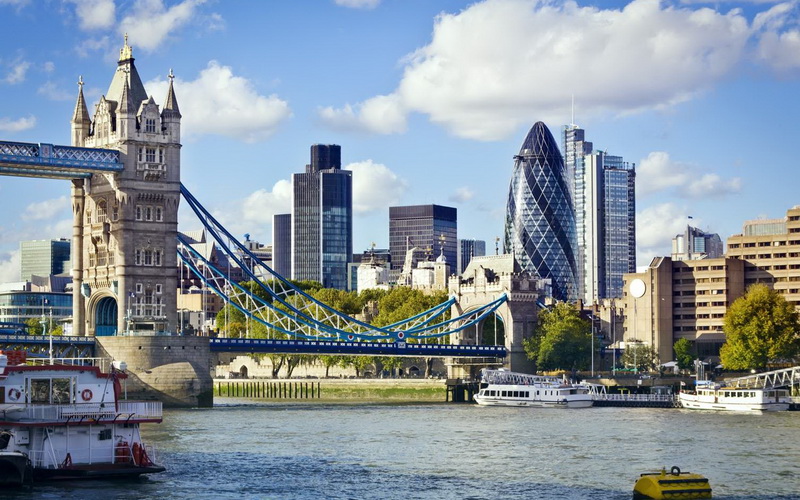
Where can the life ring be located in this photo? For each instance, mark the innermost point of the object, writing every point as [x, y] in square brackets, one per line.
[14, 394]
[86, 394]
[675, 471]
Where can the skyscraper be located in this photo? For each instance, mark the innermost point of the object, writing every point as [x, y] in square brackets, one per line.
[605, 214]
[467, 249]
[322, 219]
[540, 217]
[43, 258]
[431, 229]
[282, 244]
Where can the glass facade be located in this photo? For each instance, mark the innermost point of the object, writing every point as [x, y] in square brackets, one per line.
[322, 219]
[282, 244]
[433, 229]
[18, 307]
[467, 249]
[540, 217]
[44, 257]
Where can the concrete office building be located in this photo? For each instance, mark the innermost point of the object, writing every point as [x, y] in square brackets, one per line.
[688, 299]
[282, 244]
[322, 219]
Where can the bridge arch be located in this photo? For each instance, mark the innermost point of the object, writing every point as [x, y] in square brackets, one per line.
[103, 307]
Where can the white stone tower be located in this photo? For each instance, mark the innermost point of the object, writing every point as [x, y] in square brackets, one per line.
[124, 239]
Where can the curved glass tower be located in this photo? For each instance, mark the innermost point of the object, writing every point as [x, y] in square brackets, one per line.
[540, 217]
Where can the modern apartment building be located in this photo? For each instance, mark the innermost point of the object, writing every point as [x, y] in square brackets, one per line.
[426, 231]
[688, 299]
[322, 219]
[540, 215]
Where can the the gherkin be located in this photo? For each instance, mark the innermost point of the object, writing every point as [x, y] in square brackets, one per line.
[540, 217]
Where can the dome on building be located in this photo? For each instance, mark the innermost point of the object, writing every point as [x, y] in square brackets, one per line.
[540, 216]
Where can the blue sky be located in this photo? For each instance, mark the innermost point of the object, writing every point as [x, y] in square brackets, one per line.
[429, 100]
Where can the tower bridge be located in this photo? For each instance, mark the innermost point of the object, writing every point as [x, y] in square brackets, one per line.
[124, 167]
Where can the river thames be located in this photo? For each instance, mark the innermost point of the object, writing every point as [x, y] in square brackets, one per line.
[450, 451]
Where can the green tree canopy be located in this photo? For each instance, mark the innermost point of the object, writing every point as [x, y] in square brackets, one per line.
[759, 327]
[683, 353]
[640, 356]
[562, 340]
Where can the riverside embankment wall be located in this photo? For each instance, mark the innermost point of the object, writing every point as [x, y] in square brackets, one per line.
[172, 369]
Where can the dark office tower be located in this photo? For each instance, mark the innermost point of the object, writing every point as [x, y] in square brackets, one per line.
[467, 249]
[540, 217]
[43, 258]
[430, 229]
[282, 244]
[322, 219]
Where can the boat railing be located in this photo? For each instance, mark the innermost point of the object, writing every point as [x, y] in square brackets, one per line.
[128, 410]
[633, 397]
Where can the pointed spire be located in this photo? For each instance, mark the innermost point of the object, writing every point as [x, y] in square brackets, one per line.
[126, 52]
[125, 101]
[81, 114]
[171, 104]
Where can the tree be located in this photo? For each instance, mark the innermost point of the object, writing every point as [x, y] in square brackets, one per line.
[759, 327]
[562, 340]
[640, 356]
[683, 353]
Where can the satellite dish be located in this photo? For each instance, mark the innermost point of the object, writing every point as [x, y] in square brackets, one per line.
[637, 288]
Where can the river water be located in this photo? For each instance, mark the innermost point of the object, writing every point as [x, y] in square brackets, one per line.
[243, 450]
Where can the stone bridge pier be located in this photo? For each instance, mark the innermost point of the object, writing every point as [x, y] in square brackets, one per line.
[485, 280]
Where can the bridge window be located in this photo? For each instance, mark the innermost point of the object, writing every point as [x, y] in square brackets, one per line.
[141, 155]
[160, 155]
[138, 212]
[148, 257]
[138, 257]
[151, 155]
[139, 288]
[157, 258]
[148, 213]
[150, 125]
[159, 214]
[115, 213]
[101, 211]
[158, 288]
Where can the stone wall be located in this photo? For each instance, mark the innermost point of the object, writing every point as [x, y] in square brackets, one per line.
[175, 370]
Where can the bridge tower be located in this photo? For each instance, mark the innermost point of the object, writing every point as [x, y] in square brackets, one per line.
[484, 280]
[124, 237]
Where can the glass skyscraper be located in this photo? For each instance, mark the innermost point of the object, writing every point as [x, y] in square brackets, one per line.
[540, 217]
[322, 219]
[44, 257]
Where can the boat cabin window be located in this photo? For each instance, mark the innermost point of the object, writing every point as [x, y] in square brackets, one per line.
[57, 391]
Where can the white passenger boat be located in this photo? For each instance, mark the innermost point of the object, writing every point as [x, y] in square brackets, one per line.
[69, 422]
[710, 396]
[505, 388]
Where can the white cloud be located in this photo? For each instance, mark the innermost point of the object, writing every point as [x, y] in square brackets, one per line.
[647, 55]
[462, 195]
[218, 102]
[95, 14]
[260, 206]
[358, 4]
[10, 267]
[90, 45]
[49, 67]
[655, 228]
[150, 22]
[658, 172]
[375, 186]
[52, 92]
[46, 210]
[17, 73]
[382, 114]
[9, 125]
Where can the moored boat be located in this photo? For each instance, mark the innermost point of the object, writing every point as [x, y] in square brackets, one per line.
[505, 388]
[66, 422]
[710, 396]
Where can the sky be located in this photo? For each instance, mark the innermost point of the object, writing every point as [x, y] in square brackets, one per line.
[429, 100]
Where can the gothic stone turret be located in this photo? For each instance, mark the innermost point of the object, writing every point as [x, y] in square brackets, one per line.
[125, 224]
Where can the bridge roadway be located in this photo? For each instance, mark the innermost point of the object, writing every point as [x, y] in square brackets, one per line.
[66, 347]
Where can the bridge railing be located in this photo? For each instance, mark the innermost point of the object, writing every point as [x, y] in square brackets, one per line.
[24, 153]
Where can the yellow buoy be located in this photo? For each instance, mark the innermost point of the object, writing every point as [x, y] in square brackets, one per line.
[673, 485]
